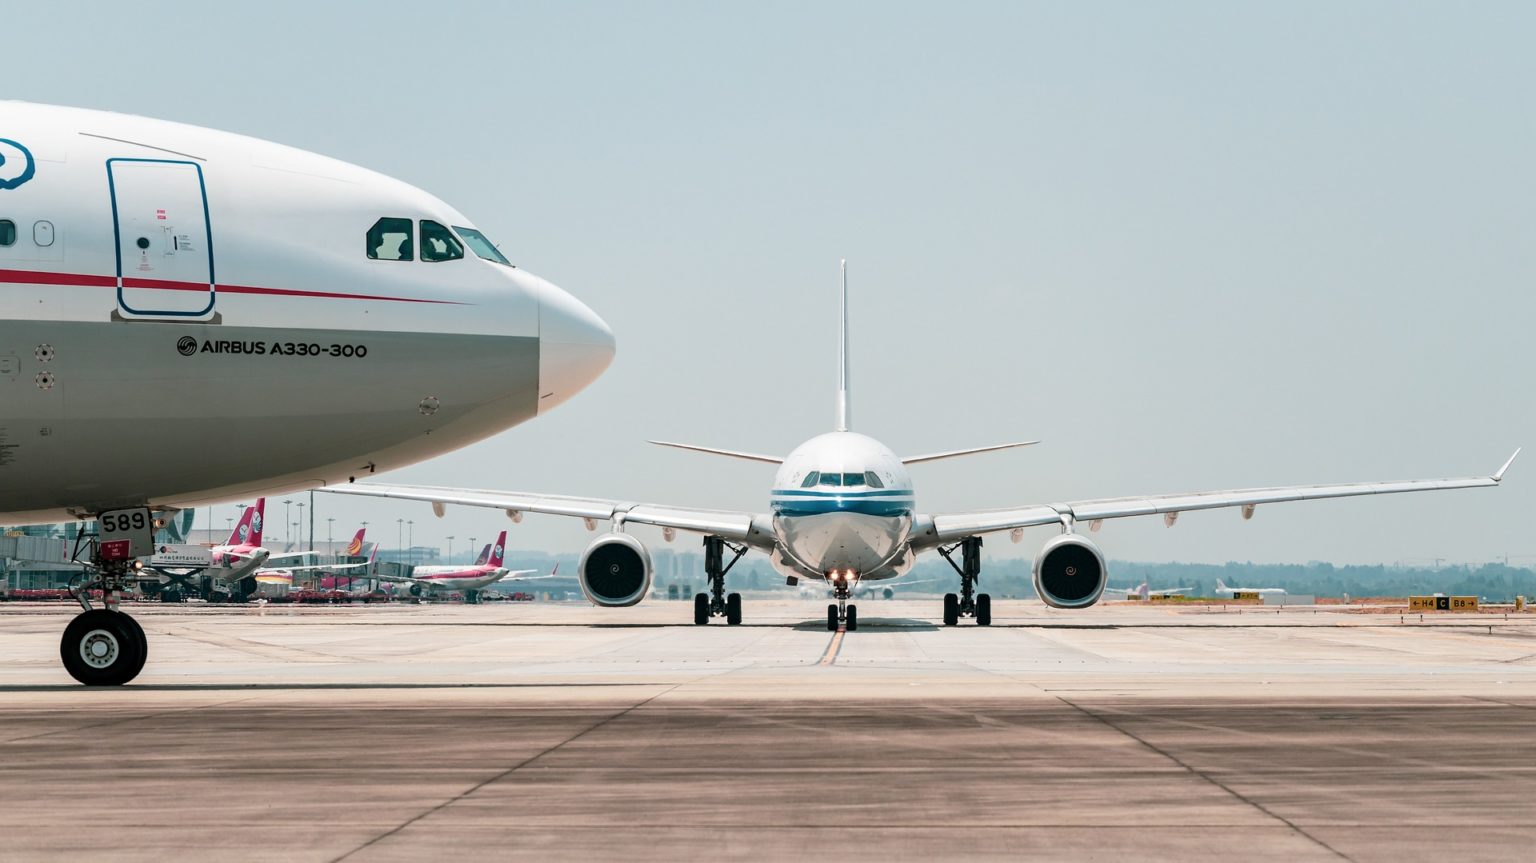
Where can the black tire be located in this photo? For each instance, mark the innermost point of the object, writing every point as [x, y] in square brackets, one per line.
[831, 618]
[171, 596]
[951, 609]
[733, 609]
[853, 618]
[143, 642]
[701, 608]
[983, 609]
[113, 641]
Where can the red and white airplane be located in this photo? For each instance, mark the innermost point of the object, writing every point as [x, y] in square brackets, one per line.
[486, 571]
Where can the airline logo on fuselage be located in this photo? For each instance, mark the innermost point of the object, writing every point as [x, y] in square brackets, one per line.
[16, 164]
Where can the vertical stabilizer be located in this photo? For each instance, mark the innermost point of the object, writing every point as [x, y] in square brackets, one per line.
[355, 547]
[498, 551]
[248, 531]
[485, 553]
[842, 355]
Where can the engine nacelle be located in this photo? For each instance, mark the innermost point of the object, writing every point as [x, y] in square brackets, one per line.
[1070, 572]
[615, 571]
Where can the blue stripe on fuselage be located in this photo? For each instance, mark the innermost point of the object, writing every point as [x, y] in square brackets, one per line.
[889, 502]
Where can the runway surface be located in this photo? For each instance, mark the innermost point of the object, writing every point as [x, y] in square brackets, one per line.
[562, 732]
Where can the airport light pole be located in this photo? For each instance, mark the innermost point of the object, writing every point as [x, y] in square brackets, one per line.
[450, 549]
[472, 548]
[370, 580]
[410, 538]
[399, 532]
[300, 522]
[288, 519]
[329, 544]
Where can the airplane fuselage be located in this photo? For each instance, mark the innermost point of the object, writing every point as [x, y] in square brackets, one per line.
[842, 503]
[190, 316]
[458, 578]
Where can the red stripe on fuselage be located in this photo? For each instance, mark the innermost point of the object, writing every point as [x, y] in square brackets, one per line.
[31, 277]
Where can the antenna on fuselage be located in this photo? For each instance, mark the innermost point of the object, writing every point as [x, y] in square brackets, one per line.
[842, 356]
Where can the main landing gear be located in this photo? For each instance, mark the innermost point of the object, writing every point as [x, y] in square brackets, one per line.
[103, 646]
[841, 613]
[968, 603]
[717, 603]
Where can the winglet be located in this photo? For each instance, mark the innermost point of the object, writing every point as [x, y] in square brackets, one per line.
[1499, 474]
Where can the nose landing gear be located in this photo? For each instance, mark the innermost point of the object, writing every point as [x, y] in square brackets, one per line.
[841, 613]
[967, 603]
[717, 603]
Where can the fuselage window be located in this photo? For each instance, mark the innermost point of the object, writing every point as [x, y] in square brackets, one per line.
[481, 246]
[811, 479]
[7, 232]
[871, 480]
[390, 240]
[438, 243]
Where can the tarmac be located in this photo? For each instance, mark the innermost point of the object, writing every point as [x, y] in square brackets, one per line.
[562, 732]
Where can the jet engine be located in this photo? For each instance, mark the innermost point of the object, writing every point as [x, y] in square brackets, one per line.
[1070, 572]
[615, 571]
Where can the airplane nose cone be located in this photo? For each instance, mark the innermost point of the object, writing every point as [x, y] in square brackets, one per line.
[575, 346]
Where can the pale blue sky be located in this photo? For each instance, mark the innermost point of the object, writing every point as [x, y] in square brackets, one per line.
[1195, 245]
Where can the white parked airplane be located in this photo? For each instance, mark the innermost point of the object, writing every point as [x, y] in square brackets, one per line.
[1143, 592]
[842, 511]
[1231, 592]
[190, 316]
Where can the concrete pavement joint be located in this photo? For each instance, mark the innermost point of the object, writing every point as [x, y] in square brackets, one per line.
[503, 774]
[1207, 777]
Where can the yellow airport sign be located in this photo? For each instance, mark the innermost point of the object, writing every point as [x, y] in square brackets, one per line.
[1442, 603]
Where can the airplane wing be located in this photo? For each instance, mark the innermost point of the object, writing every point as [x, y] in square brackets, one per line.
[287, 554]
[951, 526]
[316, 566]
[731, 525]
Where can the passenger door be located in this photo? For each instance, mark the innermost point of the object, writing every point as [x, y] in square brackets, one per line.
[164, 239]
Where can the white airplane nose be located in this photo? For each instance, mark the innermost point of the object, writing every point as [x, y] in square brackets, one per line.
[575, 346]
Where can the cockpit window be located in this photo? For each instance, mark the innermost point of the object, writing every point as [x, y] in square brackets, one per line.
[390, 240]
[811, 479]
[438, 243]
[872, 480]
[481, 246]
[842, 480]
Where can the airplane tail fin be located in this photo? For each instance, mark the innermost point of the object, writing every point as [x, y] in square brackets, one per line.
[498, 551]
[1220, 587]
[248, 531]
[355, 547]
[1144, 591]
[843, 407]
[485, 554]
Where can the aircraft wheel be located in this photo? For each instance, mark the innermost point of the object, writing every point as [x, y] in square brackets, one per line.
[853, 617]
[103, 648]
[733, 609]
[983, 609]
[700, 609]
[831, 618]
[951, 609]
[143, 642]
